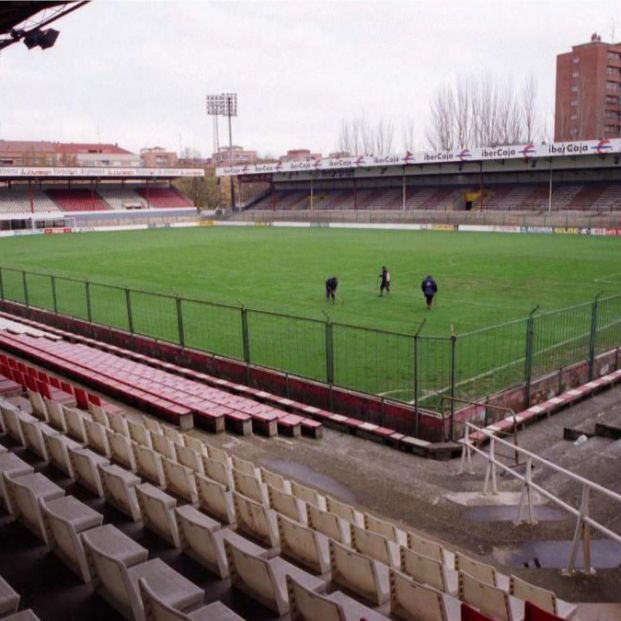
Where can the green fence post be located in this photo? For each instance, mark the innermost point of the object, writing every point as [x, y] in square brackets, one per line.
[528, 356]
[1, 285]
[593, 339]
[25, 283]
[245, 334]
[453, 375]
[128, 303]
[180, 322]
[416, 412]
[54, 298]
[87, 291]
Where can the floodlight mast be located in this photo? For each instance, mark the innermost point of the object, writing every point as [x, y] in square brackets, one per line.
[224, 104]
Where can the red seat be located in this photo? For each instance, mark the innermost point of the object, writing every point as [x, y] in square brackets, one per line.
[44, 389]
[66, 387]
[80, 397]
[472, 614]
[55, 382]
[534, 613]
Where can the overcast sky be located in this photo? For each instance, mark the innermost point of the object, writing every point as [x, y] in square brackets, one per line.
[137, 72]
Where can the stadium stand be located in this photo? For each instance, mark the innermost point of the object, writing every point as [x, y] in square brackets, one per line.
[120, 197]
[163, 197]
[377, 581]
[77, 200]
[17, 200]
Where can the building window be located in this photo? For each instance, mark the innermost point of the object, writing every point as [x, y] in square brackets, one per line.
[574, 103]
[574, 89]
[575, 60]
[575, 74]
[573, 117]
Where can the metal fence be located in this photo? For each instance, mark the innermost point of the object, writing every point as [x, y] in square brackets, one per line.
[414, 368]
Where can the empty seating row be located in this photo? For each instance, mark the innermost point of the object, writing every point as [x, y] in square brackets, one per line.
[9, 603]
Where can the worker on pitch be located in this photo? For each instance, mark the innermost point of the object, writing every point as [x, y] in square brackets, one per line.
[384, 279]
[331, 284]
[429, 288]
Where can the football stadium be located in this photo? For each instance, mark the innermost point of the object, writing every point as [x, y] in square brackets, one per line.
[375, 384]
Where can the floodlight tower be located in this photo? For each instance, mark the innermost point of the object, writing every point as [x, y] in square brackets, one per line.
[224, 104]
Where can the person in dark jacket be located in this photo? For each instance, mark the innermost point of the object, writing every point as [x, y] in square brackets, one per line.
[331, 284]
[429, 288]
[384, 279]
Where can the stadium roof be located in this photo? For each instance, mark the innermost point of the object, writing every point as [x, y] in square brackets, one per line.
[12, 147]
[12, 14]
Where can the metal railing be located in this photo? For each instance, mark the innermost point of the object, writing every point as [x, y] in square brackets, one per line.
[582, 513]
[415, 368]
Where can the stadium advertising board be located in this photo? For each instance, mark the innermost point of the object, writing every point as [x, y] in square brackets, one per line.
[64, 172]
[516, 152]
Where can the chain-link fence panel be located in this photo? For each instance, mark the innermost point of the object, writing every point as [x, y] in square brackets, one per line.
[608, 334]
[373, 361]
[213, 327]
[433, 371]
[109, 306]
[560, 338]
[71, 297]
[13, 285]
[154, 315]
[490, 360]
[40, 292]
[293, 344]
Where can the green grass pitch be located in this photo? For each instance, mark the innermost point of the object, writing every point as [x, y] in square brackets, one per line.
[483, 279]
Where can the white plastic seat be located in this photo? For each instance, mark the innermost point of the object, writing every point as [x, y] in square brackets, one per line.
[429, 571]
[180, 480]
[56, 415]
[115, 543]
[118, 584]
[173, 435]
[64, 519]
[364, 576]
[542, 598]
[219, 471]
[215, 500]
[75, 424]
[121, 449]
[158, 610]
[158, 512]
[33, 432]
[99, 414]
[97, 437]
[13, 421]
[265, 580]
[275, 481]
[375, 545]
[256, 520]
[149, 465]
[58, 447]
[25, 492]
[244, 466]
[303, 545]
[287, 504]
[412, 601]
[139, 434]
[85, 464]
[345, 511]
[39, 409]
[196, 444]
[429, 548]
[251, 487]
[9, 598]
[152, 424]
[218, 454]
[307, 605]
[189, 458]
[481, 571]
[383, 527]
[118, 424]
[490, 600]
[120, 489]
[203, 540]
[308, 495]
[329, 524]
[22, 615]
[13, 466]
[164, 446]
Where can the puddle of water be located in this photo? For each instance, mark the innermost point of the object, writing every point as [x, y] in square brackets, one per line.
[311, 478]
[508, 513]
[554, 554]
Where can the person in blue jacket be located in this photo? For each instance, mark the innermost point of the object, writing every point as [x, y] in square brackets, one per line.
[429, 288]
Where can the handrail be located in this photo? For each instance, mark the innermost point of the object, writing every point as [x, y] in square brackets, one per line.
[583, 520]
